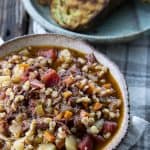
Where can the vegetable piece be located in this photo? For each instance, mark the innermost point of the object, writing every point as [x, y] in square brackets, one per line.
[36, 83]
[68, 115]
[109, 126]
[99, 124]
[70, 143]
[107, 85]
[93, 130]
[46, 147]
[39, 110]
[49, 136]
[31, 130]
[83, 100]
[5, 81]
[18, 144]
[65, 56]
[114, 105]
[24, 66]
[83, 113]
[107, 135]
[97, 106]
[86, 143]
[20, 73]
[15, 129]
[68, 80]
[67, 94]
[50, 78]
[60, 116]
[51, 53]
[91, 89]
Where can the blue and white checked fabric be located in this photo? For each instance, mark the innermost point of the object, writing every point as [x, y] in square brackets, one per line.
[133, 59]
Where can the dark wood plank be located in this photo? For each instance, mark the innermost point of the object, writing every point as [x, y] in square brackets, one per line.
[13, 19]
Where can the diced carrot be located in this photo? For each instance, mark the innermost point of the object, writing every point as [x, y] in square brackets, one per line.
[68, 114]
[68, 80]
[66, 94]
[83, 113]
[24, 66]
[80, 86]
[49, 136]
[59, 116]
[107, 85]
[97, 106]
[91, 88]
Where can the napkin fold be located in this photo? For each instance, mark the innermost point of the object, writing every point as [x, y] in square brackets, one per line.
[136, 128]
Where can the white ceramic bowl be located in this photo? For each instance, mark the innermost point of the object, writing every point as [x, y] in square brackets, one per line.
[63, 41]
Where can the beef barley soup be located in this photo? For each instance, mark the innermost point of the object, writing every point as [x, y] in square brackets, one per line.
[54, 98]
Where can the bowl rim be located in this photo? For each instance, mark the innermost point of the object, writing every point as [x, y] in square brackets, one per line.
[124, 91]
[96, 39]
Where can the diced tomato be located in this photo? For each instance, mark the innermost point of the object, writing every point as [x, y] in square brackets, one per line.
[50, 78]
[36, 83]
[51, 53]
[86, 143]
[109, 126]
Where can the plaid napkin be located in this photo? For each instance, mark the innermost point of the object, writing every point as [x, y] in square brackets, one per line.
[134, 61]
[133, 58]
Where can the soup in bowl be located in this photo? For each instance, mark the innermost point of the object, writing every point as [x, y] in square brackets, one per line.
[59, 93]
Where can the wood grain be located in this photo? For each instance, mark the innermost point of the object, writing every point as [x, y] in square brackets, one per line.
[13, 19]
